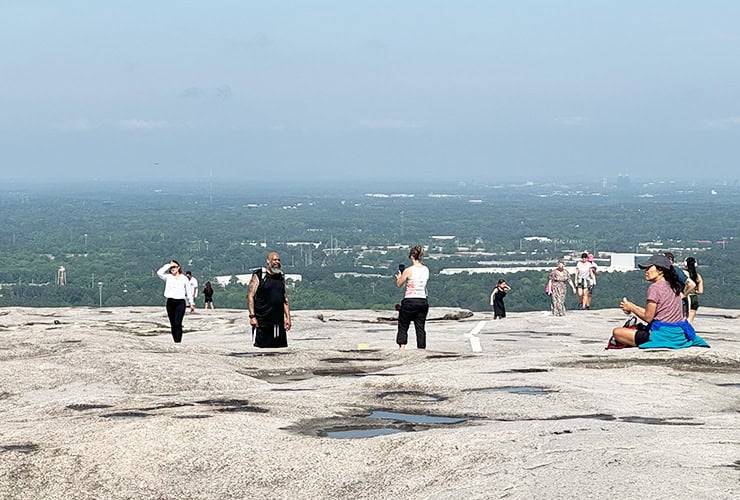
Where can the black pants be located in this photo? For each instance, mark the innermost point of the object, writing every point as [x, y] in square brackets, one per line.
[176, 311]
[413, 310]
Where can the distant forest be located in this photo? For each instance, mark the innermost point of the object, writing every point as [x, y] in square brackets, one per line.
[111, 239]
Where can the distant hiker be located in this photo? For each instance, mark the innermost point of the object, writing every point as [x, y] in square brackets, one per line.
[414, 306]
[208, 295]
[663, 313]
[177, 291]
[497, 299]
[193, 283]
[582, 279]
[694, 294]
[267, 301]
[558, 278]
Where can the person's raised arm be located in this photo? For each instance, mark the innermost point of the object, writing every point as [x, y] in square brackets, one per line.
[164, 270]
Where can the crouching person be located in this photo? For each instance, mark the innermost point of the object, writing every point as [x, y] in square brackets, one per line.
[663, 312]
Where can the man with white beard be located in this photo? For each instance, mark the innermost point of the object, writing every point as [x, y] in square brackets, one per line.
[267, 301]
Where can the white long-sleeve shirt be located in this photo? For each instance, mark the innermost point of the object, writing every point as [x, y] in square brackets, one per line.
[175, 287]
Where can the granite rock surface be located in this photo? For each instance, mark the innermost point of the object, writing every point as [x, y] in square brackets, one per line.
[100, 403]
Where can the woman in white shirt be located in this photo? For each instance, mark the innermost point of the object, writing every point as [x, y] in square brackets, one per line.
[176, 289]
[414, 306]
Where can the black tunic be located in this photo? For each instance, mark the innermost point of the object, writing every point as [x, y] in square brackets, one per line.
[269, 309]
[499, 311]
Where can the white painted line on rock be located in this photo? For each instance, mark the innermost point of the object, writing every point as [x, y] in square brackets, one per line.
[475, 341]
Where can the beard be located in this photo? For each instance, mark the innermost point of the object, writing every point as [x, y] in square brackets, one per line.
[275, 269]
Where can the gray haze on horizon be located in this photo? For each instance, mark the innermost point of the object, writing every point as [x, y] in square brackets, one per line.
[380, 90]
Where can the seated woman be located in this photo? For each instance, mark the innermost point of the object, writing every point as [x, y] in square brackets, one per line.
[663, 312]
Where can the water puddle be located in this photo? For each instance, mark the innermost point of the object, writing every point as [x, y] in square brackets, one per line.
[414, 418]
[528, 390]
[377, 423]
[361, 433]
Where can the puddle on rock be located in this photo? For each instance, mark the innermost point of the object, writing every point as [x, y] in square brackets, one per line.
[415, 418]
[375, 423]
[529, 390]
[361, 433]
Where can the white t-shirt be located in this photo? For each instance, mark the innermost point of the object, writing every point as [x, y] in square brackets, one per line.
[193, 287]
[582, 270]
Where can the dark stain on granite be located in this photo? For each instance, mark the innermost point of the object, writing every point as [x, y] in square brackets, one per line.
[684, 364]
[20, 448]
[87, 406]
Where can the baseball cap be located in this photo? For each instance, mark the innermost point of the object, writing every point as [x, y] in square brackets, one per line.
[657, 261]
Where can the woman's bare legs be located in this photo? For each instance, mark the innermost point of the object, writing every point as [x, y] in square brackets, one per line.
[625, 336]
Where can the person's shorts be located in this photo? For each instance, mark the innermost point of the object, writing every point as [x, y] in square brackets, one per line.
[694, 302]
[641, 336]
[583, 283]
[209, 300]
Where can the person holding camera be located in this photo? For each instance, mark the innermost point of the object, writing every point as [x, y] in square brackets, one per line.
[177, 291]
[414, 306]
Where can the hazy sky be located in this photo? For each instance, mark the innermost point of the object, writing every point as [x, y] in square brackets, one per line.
[260, 90]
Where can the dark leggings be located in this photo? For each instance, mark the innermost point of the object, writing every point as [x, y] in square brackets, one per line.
[176, 311]
[413, 310]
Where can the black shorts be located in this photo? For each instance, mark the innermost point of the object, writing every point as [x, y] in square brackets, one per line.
[694, 302]
[641, 336]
